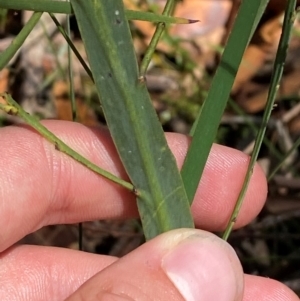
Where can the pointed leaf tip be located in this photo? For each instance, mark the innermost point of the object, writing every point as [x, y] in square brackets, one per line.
[193, 21]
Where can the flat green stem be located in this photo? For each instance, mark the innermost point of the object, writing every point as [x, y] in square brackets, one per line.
[289, 18]
[13, 108]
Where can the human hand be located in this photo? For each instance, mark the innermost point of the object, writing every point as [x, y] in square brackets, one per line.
[41, 186]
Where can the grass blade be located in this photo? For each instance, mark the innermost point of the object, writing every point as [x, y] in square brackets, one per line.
[131, 118]
[206, 126]
[61, 7]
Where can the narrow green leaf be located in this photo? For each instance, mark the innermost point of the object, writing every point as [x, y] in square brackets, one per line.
[64, 7]
[206, 126]
[131, 118]
[155, 18]
[51, 6]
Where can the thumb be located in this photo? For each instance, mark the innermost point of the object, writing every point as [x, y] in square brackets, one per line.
[183, 264]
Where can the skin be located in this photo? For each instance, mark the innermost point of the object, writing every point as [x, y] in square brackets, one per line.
[41, 186]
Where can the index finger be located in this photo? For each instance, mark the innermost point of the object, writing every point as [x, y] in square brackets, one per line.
[42, 186]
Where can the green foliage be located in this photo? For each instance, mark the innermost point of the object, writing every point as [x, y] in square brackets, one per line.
[131, 118]
[163, 195]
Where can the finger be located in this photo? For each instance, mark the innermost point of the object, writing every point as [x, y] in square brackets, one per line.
[47, 273]
[44, 186]
[266, 289]
[220, 187]
[178, 263]
[36, 273]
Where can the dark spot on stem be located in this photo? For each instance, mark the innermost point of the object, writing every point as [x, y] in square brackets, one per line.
[135, 191]
[109, 75]
[142, 79]
[56, 146]
[12, 111]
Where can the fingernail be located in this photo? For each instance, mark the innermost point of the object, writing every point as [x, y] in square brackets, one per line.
[203, 269]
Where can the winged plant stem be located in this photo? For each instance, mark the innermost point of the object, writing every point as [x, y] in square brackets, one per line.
[205, 128]
[13, 108]
[131, 118]
[12, 49]
[289, 18]
[168, 9]
[63, 7]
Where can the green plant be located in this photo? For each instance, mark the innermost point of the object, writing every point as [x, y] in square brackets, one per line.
[163, 194]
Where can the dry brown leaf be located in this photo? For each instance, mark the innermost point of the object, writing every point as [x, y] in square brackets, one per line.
[4, 80]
